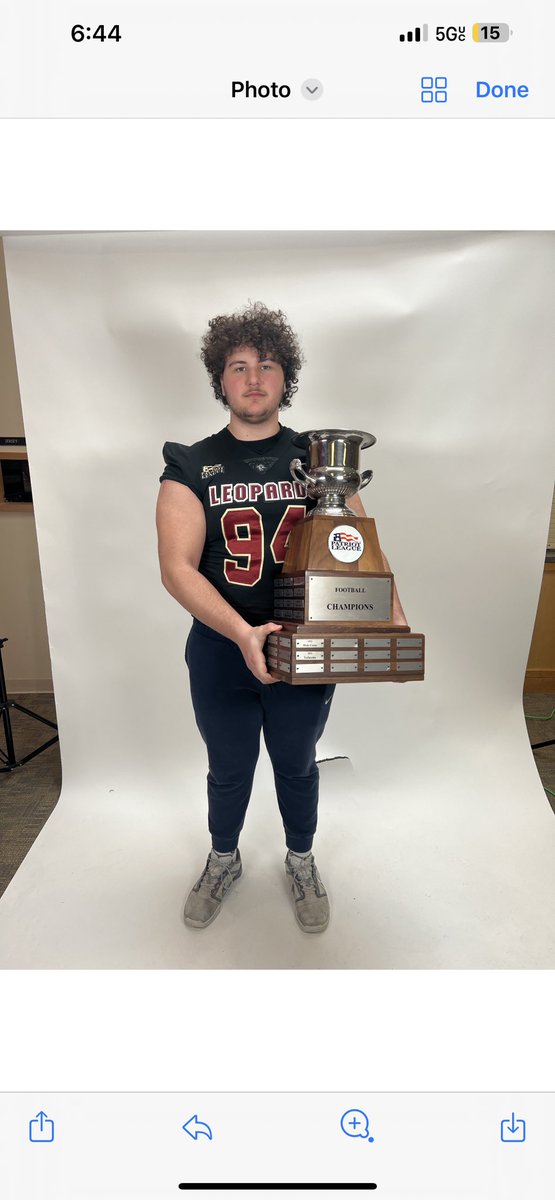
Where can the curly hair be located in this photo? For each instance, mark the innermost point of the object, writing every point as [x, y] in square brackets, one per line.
[267, 332]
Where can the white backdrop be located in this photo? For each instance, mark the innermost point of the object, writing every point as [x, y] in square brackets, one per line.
[436, 839]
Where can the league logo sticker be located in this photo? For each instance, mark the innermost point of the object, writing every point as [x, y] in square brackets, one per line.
[346, 543]
[208, 472]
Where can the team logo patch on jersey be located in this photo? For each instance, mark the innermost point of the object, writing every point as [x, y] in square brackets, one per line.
[346, 543]
[216, 469]
[261, 465]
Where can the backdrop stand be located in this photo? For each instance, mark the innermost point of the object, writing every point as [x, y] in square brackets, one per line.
[5, 705]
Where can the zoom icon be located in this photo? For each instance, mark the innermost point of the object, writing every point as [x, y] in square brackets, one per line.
[354, 1124]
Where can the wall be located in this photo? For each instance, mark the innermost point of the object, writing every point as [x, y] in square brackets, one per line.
[22, 618]
[540, 673]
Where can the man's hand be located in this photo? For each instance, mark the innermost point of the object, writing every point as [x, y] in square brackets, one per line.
[252, 649]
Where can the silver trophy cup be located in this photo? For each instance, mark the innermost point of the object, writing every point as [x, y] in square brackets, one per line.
[333, 469]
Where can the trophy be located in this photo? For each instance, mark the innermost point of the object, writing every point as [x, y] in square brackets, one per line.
[336, 599]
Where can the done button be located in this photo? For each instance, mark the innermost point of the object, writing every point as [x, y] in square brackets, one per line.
[501, 91]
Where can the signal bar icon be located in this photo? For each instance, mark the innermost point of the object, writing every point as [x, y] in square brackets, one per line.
[415, 35]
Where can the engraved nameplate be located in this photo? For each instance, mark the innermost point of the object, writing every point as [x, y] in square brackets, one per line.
[303, 655]
[306, 643]
[349, 598]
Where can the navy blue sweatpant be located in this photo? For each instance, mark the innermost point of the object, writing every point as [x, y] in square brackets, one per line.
[231, 708]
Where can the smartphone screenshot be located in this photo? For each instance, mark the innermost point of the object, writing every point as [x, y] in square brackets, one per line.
[277, 657]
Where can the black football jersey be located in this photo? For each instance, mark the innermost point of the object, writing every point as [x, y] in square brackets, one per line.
[251, 503]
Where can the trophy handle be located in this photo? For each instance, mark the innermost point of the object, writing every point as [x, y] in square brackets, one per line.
[298, 472]
[365, 478]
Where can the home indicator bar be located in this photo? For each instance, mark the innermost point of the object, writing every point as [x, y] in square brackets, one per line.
[280, 1187]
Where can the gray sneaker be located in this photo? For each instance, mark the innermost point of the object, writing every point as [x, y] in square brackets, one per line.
[312, 907]
[205, 898]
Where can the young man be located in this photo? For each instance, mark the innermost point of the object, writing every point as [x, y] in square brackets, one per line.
[225, 509]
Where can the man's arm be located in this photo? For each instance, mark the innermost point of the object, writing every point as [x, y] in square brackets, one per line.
[181, 526]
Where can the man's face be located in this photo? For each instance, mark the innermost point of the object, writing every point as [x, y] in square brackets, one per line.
[253, 387]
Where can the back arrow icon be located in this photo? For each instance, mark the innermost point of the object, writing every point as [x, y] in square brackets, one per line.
[194, 1127]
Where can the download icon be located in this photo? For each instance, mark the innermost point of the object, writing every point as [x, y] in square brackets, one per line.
[513, 1130]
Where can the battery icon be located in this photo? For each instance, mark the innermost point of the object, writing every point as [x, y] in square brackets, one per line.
[486, 32]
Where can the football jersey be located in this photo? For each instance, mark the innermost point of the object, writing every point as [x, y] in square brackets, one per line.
[251, 503]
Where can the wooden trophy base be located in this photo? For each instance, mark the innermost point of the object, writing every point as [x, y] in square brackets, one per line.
[342, 621]
[306, 654]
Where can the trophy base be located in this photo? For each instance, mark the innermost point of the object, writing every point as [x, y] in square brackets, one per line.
[303, 654]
